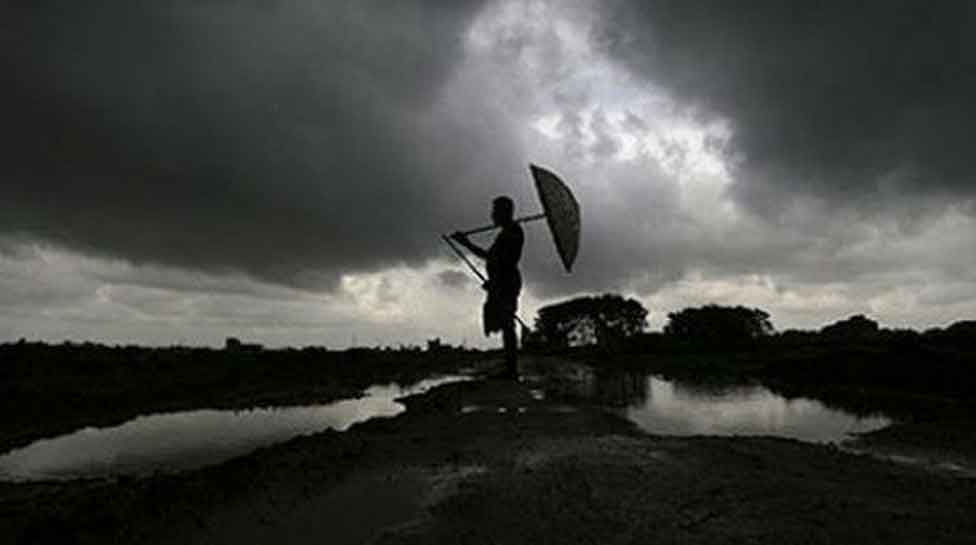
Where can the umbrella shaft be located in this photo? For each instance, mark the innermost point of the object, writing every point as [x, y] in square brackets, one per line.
[476, 271]
[464, 258]
[486, 228]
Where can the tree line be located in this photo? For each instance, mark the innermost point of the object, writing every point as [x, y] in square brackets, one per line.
[613, 321]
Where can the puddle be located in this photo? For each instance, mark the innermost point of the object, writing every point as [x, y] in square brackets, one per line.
[179, 441]
[676, 409]
[667, 407]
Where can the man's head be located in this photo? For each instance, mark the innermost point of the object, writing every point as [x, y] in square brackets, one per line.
[502, 210]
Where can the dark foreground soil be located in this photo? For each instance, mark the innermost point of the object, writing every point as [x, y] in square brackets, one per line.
[487, 462]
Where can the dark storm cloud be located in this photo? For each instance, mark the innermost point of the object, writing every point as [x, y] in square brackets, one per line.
[859, 103]
[288, 139]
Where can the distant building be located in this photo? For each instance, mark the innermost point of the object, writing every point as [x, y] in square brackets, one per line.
[233, 344]
[436, 345]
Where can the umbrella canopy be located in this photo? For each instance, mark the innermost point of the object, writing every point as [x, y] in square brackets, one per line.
[562, 214]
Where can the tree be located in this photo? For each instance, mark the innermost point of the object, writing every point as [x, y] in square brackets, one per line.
[855, 327]
[962, 334]
[963, 328]
[714, 325]
[604, 320]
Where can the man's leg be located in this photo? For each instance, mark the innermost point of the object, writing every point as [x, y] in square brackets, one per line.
[510, 340]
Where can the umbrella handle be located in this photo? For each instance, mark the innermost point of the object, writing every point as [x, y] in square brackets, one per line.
[523, 219]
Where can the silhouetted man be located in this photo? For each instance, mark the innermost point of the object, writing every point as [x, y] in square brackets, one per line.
[504, 280]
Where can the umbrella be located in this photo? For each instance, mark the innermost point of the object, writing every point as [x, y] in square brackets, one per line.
[560, 210]
[562, 213]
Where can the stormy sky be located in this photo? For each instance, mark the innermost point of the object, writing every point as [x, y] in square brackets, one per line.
[280, 170]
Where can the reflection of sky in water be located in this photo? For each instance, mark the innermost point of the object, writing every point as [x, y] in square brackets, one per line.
[676, 410]
[191, 439]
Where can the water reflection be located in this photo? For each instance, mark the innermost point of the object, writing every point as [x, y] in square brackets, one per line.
[582, 384]
[191, 439]
[666, 407]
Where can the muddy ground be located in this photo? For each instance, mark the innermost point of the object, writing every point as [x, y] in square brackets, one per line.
[488, 462]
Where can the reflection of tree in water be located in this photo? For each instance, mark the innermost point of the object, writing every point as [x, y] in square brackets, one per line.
[685, 389]
[622, 389]
[608, 388]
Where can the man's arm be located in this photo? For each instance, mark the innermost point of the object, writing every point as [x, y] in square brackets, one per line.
[462, 239]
